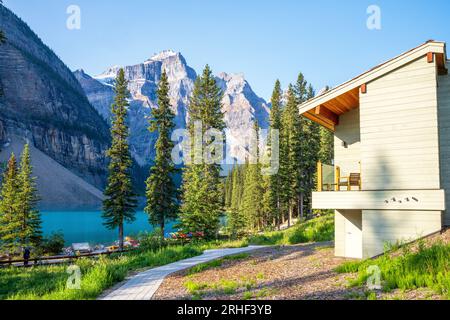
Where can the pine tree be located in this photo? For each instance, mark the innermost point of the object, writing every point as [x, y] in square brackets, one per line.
[120, 201]
[202, 194]
[236, 220]
[28, 214]
[162, 195]
[291, 155]
[252, 205]
[310, 148]
[274, 184]
[9, 208]
[326, 153]
[313, 144]
[237, 188]
[229, 188]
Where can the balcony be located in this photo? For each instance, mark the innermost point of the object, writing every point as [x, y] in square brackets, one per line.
[346, 193]
[329, 178]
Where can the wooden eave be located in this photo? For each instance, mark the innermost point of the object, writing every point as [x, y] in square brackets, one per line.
[326, 108]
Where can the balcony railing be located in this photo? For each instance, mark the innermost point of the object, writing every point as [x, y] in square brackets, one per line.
[329, 179]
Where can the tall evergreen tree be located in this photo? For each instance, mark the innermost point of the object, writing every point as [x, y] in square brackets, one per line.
[9, 208]
[274, 185]
[228, 189]
[252, 205]
[120, 200]
[312, 155]
[162, 195]
[237, 190]
[28, 214]
[202, 194]
[291, 155]
[301, 93]
[236, 221]
[326, 153]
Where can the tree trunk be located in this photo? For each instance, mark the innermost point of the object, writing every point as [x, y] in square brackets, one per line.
[121, 237]
[301, 206]
[163, 225]
[290, 215]
[278, 215]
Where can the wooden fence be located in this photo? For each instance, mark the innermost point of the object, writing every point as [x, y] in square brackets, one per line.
[54, 260]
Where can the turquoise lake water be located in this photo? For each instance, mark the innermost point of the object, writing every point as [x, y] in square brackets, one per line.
[87, 226]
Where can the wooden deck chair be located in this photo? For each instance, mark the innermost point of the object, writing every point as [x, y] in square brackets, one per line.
[354, 180]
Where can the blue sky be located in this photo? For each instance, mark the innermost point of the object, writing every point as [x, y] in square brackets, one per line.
[327, 40]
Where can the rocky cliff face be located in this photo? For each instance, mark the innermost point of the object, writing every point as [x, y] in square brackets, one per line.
[44, 103]
[241, 106]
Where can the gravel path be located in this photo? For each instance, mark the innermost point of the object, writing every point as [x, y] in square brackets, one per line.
[143, 285]
[291, 272]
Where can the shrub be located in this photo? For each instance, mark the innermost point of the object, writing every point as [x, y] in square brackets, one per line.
[152, 241]
[54, 244]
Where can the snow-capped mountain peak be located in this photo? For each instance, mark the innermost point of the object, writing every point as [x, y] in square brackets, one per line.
[109, 75]
[163, 55]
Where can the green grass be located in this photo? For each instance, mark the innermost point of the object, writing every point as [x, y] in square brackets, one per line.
[259, 294]
[49, 282]
[314, 230]
[97, 275]
[426, 267]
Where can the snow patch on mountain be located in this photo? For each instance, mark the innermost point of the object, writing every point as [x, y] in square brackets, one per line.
[163, 55]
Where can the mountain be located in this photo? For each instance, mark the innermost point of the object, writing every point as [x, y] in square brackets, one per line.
[241, 107]
[143, 81]
[45, 105]
[240, 104]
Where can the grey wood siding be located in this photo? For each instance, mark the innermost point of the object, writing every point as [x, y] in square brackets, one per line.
[391, 227]
[339, 233]
[347, 158]
[444, 139]
[399, 130]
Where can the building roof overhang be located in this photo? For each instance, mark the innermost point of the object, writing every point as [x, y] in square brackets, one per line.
[326, 108]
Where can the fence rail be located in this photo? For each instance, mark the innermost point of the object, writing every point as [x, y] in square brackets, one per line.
[37, 261]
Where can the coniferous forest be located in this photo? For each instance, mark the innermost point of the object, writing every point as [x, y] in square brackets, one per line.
[256, 202]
